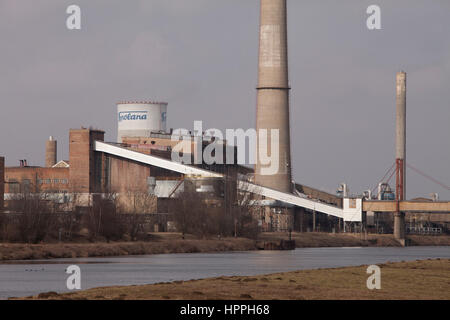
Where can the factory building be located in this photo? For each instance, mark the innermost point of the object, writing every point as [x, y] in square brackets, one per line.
[142, 128]
[94, 171]
[90, 172]
[87, 173]
[140, 162]
[73, 176]
[29, 179]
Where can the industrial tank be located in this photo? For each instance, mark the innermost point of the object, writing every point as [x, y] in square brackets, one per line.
[140, 119]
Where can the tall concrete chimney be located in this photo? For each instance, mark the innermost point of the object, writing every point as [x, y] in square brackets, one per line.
[400, 155]
[273, 94]
[50, 152]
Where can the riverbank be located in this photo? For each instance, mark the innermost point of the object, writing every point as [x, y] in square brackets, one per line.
[162, 243]
[319, 239]
[82, 250]
[427, 279]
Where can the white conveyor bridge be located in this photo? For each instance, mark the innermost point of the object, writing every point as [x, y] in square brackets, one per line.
[292, 199]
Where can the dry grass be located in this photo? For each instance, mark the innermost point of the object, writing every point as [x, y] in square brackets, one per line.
[428, 279]
[75, 250]
[320, 239]
[173, 243]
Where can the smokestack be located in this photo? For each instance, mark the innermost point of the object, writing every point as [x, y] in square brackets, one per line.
[273, 94]
[400, 154]
[50, 152]
[399, 218]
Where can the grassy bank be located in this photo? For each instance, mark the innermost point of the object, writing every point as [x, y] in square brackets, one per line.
[103, 249]
[428, 279]
[318, 239]
[173, 243]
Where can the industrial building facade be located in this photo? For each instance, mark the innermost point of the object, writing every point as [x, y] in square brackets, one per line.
[89, 172]
[140, 162]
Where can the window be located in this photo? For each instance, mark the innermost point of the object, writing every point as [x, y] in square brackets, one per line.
[26, 185]
[14, 186]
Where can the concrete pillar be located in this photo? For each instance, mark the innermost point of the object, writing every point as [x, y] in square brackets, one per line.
[50, 152]
[314, 221]
[273, 94]
[399, 217]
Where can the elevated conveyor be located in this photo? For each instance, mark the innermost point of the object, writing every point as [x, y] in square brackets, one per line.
[153, 160]
[296, 200]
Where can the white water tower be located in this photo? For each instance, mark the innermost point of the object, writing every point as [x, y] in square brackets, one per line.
[140, 119]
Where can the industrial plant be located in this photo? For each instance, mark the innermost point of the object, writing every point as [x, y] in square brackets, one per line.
[140, 162]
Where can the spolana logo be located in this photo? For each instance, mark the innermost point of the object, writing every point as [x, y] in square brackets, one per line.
[132, 115]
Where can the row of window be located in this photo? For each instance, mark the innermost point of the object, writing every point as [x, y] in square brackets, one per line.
[50, 181]
[18, 189]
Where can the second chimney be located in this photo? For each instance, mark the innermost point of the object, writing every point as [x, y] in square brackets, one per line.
[50, 152]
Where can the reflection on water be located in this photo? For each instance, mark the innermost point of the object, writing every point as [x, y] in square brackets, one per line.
[28, 278]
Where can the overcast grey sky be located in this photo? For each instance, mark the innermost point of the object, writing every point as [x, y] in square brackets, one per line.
[201, 57]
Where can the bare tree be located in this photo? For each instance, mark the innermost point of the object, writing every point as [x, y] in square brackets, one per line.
[187, 210]
[204, 215]
[4, 224]
[36, 219]
[242, 209]
[142, 203]
[103, 219]
[69, 224]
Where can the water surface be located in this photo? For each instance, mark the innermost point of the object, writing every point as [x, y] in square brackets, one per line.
[23, 278]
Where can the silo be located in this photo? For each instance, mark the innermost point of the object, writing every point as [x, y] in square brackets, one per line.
[50, 152]
[140, 119]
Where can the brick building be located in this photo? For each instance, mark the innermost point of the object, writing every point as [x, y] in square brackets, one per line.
[36, 180]
[136, 185]
[88, 172]
[76, 176]
[85, 165]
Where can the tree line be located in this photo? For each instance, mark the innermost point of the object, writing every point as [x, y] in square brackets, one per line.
[34, 218]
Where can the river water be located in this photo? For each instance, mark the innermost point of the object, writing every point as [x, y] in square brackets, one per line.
[23, 278]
